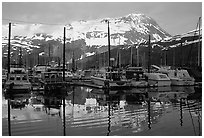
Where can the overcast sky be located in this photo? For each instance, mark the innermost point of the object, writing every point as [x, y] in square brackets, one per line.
[174, 17]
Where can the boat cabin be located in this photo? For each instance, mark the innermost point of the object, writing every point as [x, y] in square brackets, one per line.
[51, 77]
[135, 73]
[157, 76]
[38, 69]
[115, 75]
[4, 75]
[18, 74]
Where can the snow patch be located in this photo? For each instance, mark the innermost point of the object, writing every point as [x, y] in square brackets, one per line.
[89, 54]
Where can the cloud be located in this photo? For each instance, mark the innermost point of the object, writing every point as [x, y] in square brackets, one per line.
[169, 15]
[31, 29]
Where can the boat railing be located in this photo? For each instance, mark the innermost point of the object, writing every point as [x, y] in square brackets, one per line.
[51, 77]
[18, 77]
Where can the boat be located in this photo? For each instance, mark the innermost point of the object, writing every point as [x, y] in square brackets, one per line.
[136, 76]
[38, 69]
[19, 101]
[109, 78]
[51, 77]
[158, 79]
[178, 77]
[181, 78]
[69, 76]
[18, 81]
[4, 77]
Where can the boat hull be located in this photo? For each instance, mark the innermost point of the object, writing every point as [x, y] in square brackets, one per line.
[18, 87]
[158, 79]
[182, 82]
[159, 83]
[135, 83]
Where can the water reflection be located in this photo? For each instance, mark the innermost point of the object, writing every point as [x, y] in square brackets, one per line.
[87, 111]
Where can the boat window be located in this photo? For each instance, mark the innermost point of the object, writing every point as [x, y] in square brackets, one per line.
[115, 76]
[18, 78]
[52, 76]
[162, 76]
[175, 73]
[11, 78]
[24, 77]
[108, 76]
[46, 76]
[38, 72]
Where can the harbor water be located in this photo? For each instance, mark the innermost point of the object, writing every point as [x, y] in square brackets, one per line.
[84, 111]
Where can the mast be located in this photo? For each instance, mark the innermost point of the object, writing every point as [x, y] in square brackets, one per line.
[165, 57]
[199, 47]
[131, 56]
[119, 58]
[109, 54]
[20, 58]
[138, 64]
[49, 53]
[174, 56]
[181, 56]
[8, 67]
[9, 45]
[73, 62]
[144, 60]
[149, 52]
[118, 64]
[64, 54]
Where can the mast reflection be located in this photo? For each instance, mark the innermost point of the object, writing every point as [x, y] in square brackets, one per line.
[111, 111]
[181, 112]
[15, 101]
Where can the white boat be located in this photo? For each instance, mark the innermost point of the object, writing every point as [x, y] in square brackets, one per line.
[18, 81]
[109, 79]
[178, 77]
[158, 79]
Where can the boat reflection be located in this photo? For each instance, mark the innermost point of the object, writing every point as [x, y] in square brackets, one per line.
[84, 110]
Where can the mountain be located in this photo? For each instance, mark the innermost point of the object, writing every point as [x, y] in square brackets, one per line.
[87, 36]
[84, 37]
[129, 29]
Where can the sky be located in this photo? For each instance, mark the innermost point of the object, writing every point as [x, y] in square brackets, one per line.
[174, 17]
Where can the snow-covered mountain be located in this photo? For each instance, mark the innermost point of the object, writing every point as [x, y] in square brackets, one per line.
[84, 36]
[124, 30]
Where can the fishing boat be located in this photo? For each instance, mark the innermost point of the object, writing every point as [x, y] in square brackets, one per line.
[136, 76]
[18, 80]
[19, 100]
[38, 69]
[51, 77]
[68, 75]
[109, 78]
